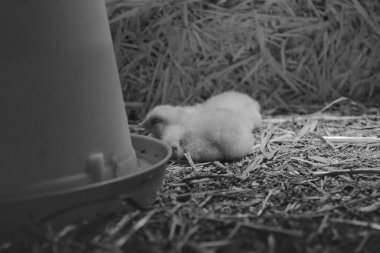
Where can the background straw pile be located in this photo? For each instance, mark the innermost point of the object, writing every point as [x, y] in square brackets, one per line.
[280, 52]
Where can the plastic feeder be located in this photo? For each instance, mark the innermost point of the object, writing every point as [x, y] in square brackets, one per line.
[65, 149]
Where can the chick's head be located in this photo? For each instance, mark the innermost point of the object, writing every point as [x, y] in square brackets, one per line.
[158, 119]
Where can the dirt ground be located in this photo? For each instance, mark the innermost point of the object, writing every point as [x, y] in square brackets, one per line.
[302, 190]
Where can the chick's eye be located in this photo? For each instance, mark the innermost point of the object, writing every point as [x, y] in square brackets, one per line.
[155, 121]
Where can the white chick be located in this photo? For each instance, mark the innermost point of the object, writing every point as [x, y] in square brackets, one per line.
[239, 103]
[162, 116]
[206, 134]
[216, 134]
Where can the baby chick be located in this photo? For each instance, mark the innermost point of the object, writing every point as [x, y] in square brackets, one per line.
[239, 103]
[207, 134]
[216, 134]
[162, 116]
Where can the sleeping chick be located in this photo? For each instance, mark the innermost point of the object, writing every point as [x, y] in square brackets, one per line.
[239, 103]
[162, 116]
[216, 134]
[173, 135]
[206, 134]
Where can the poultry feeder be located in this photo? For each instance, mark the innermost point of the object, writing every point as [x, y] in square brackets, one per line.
[66, 151]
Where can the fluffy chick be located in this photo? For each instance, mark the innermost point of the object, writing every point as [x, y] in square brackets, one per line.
[206, 134]
[239, 103]
[162, 116]
[216, 134]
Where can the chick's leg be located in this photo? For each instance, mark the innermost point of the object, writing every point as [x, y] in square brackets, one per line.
[173, 136]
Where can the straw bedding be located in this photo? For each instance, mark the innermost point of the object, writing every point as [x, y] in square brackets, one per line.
[302, 190]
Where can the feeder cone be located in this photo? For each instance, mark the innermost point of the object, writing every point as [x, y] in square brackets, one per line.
[66, 153]
[63, 119]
